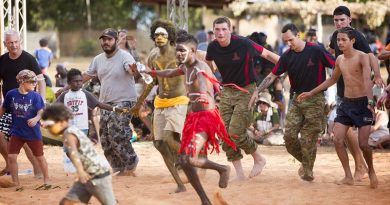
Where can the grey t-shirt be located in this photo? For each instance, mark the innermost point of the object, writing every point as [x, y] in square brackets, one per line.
[117, 84]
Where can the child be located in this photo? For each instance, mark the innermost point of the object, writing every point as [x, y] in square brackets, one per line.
[81, 101]
[62, 72]
[203, 123]
[93, 170]
[357, 107]
[44, 55]
[25, 106]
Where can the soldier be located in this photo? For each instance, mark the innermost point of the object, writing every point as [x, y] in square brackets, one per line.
[171, 102]
[304, 62]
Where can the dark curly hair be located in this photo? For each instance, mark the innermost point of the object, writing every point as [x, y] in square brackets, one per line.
[57, 112]
[168, 25]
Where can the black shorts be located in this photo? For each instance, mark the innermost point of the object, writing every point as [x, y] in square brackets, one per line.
[354, 112]
[5, 125]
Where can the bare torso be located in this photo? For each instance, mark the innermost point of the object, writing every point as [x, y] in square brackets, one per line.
[352, 72]
[194, 81]
[168, 87]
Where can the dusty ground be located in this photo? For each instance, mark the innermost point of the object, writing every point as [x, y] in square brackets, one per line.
[278, 184]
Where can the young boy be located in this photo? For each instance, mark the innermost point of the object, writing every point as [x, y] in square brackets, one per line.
[80, 100]
[203, 123]
[357, 105]
[44, 55]
[25, 106]
[93, 170]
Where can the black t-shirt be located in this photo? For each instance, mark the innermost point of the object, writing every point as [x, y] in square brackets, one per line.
[360, 44]
[235, 62]
[9, 68]
[306, 69]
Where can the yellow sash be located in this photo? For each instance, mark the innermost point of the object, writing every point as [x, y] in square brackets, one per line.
[170, 102]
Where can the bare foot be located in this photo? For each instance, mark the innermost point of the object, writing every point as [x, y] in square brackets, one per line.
[180, 188]
[257, 167]
[301, 171]
[346, 181]
[373, 181]
[4, 171]
[360, 173]
[218, 200]
[308, 176]
[224, 177]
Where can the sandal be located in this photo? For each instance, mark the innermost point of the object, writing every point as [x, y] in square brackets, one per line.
[19, 189]
[43, 187]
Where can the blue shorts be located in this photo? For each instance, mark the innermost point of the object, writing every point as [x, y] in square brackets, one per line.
[354, 112]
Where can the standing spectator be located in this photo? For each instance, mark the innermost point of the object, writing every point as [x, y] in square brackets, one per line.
[26, 107]
[11, 64]
[311, 36]
[201, 35]
[128, 43]
[112, 68]
[342, 18]
[304, 63]
[210, 37]
[233, 56]
[44, 56]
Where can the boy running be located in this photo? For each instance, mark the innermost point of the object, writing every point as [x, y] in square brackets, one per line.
[357, 105]
[93, 170]
[203, 122]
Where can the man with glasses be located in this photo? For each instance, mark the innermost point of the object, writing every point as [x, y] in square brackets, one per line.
[11, 63]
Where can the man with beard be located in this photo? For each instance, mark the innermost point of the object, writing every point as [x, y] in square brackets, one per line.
[171, 102]
[118, 90]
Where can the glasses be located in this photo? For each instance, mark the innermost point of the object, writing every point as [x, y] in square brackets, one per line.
[161, 34]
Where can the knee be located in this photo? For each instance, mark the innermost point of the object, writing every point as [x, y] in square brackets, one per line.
[184, 160]
[12, 158]
[364, 146]
[158, 144]
[338, 141]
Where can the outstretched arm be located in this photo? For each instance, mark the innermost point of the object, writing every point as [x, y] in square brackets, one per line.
[71, 144]
[270, 56]
[327, 83]
[167, 73]
[384, 55]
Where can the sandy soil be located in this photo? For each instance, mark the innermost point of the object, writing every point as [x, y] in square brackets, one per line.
[278, 184]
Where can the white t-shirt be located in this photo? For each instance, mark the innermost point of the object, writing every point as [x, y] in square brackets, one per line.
[117, 84]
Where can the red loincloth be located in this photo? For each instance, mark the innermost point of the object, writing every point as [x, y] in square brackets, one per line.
[211, 123]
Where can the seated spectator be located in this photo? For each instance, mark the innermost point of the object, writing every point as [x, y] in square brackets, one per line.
[379, 135]
[265, 128]
[62, 72]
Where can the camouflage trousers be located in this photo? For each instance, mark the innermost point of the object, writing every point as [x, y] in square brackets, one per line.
[236, 116]
[115, 135]
[305, 118]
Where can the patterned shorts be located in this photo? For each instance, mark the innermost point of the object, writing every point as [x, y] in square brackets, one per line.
[5, 125]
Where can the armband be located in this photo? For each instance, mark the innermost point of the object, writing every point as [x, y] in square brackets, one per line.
[371, 103]
[153, 73]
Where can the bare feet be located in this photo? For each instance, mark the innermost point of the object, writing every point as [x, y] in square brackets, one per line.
[301, 171]
[308, 176]
[218, 200]
[224, 177]
[346, 181]
[257, 167]
[360, 173]
[373, 181]
[180, 188]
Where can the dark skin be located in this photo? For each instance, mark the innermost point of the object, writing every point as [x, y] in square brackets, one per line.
[186, 54]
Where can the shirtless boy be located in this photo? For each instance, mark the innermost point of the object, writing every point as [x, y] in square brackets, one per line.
[203, 122]
[357, 105]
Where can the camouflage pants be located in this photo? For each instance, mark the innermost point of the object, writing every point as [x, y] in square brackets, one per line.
[115, 134]
[305, 118]
[236, 116]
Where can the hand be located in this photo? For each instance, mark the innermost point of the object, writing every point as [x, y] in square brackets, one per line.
[379, 81]
[303, 96]
[32, 122]
[143, 111]
[382, 100]
[253, 99]
[84, 177]
[133, 69]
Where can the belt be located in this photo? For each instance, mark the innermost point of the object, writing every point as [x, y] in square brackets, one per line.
[359, 99]
[99, 176]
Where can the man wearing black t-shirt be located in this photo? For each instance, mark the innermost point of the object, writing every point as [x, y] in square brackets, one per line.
[305, 64]
[233, 56]
[342, 18]
[11, 64]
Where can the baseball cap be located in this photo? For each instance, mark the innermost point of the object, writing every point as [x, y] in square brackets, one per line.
[26, 76]
[109, 32]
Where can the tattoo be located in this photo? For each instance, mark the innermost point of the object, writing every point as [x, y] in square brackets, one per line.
[265, 84]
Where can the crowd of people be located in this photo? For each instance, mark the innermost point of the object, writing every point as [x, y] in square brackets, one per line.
[195, 95]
